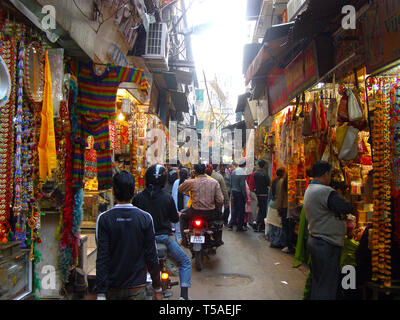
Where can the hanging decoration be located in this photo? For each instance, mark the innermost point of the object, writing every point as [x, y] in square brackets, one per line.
[381, 219]
[20, 227]
[8, 53]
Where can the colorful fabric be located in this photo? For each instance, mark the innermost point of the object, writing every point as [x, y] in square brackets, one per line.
[47, 142]
[301, 255]
[97, 93]
[98, 129]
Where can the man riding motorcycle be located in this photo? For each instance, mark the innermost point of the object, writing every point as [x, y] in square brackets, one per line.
[206, 200]
[161, 207]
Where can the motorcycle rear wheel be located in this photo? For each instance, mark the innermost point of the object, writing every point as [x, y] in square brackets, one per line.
[198, 260]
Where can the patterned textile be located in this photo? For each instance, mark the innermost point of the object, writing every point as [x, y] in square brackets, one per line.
[97, 93]
[95, 106]
[98, 128]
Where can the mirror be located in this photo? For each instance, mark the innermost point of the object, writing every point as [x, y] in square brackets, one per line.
[34, 71]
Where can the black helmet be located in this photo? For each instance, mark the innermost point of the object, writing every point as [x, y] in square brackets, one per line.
[156, 175]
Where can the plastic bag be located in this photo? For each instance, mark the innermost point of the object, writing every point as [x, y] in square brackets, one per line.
[349, 149]
[354, 108]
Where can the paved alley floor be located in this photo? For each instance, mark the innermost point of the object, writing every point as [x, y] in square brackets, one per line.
[246, 268]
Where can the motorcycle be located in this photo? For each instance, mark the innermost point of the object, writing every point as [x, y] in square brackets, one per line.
[201, 237]
[166, 282]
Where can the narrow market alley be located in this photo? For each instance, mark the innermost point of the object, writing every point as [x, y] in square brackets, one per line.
[246, 268]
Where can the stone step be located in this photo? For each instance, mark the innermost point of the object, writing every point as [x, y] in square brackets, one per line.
[91, 259]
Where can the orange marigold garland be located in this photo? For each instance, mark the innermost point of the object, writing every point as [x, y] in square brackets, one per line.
[381, 225]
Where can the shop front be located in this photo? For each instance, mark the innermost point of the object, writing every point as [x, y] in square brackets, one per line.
[65, 128]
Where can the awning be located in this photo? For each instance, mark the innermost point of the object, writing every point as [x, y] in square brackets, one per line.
[179, 101]
[270, 53]
[319, 17]
[237, 125]
[242, 101]
[165, 80]
[277, 31]
[184, 77]
[250, 51]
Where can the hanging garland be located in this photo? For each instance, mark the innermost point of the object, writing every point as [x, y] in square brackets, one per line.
[7, 51]
[20, 226]
[72, 213]
[381, 226]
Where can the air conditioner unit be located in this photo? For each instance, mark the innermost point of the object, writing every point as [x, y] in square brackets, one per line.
[156, 54]
[294, 8]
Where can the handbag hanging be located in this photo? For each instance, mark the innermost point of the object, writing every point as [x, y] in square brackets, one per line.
[340, 135]
[349, 149]
[332, 112]
[307, 122]
[314, 124]
[353, 106]
[343, 114]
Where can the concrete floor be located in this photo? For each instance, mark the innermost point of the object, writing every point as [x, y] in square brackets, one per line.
[246, 268]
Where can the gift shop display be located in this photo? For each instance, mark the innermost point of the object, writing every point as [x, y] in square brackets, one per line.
[384, 101]
[19, 166]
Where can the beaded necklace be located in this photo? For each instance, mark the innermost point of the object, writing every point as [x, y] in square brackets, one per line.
[7, 51]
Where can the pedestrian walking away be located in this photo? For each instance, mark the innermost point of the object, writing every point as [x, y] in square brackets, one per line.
[125, 247]
[262, 184]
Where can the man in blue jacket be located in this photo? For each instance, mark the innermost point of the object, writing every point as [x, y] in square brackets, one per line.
[125, 247]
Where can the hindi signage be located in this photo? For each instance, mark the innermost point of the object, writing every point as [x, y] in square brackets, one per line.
[285, 84]
[382, 34]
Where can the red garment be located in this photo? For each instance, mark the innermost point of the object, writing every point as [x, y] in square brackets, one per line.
[251, 182]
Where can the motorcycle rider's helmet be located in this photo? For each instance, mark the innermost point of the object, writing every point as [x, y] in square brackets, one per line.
[156, 175]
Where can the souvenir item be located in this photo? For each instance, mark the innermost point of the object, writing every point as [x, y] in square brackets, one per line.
[332, 112]
[349, 150]
[5, 82]
[47, 144]
[353, 107]
[343, 114]
[34, 71]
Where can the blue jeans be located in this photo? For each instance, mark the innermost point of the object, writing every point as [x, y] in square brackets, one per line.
[177, 233]
[181, 258]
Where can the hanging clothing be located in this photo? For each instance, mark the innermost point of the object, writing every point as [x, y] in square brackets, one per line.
[98, 129]
[95, 106]
[97, 93]
[47, 140]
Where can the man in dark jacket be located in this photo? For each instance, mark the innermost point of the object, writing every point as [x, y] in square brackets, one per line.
[262, 182]
[125, 247]
[155, 200]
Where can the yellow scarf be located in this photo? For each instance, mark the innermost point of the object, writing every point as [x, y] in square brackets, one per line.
[47, 141]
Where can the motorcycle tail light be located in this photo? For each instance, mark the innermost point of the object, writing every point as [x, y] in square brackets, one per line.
[198, 223]
[164, 276]
[197, 233]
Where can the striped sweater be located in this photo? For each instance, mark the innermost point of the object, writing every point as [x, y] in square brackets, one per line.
[95, 106]
[97, 93]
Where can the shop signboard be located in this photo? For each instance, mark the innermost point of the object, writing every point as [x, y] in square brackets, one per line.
[382, 34]
[285, 84]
